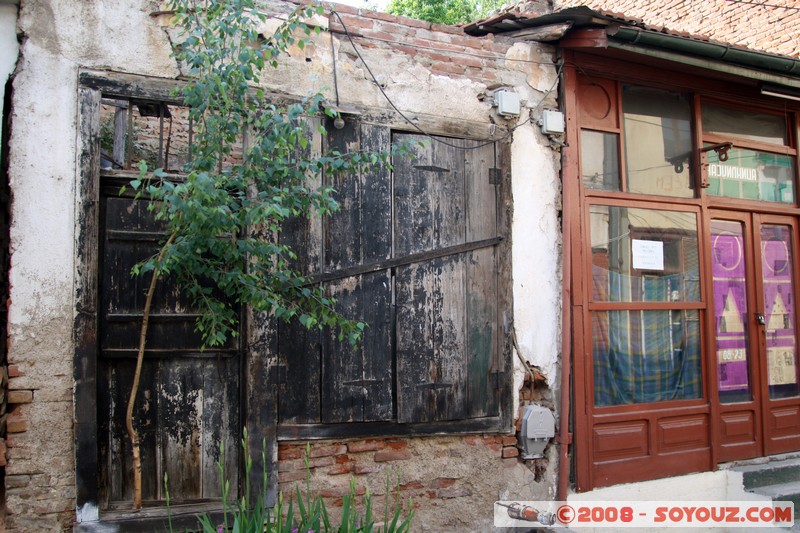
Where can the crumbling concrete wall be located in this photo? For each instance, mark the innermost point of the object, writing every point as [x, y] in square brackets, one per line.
[427, 71]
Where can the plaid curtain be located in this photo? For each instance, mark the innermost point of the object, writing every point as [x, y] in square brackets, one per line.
[645, 356]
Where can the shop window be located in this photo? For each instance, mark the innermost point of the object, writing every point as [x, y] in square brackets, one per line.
[757, 166]
[658, 141]
[655, 133]
[642, 256]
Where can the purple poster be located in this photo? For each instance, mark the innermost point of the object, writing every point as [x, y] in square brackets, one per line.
[730, 305]
[779, 304]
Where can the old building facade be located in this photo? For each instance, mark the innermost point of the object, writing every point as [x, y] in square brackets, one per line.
[633, 271]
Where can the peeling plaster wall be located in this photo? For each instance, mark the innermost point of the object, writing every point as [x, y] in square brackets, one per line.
[61, 38]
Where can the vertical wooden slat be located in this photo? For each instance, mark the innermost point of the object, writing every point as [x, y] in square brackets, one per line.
[376, 305]
[505, 307]
[180, 402]
[357, 382]
[430, 213]
[299, 348]
[145, 413]
[481, 279]
[85, 325]
[219, 426]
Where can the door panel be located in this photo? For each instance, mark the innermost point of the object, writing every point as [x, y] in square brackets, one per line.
[777, 296]
[187, 406]
[754, 284]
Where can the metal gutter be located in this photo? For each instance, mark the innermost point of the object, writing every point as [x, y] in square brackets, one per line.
[717, 65]
[705, 50]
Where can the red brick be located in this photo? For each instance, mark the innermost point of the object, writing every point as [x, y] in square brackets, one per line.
[14, 371]
[443, 482]
[20, 396]
[294, 452]
[355, 22]
[17, 426]
[472, 441]
[297, 475]
[412, 485]
[447, 68]
[397, 444]
[340, 469]
[338, 492]
[380, 35]
[509, 440]
[321, 461]
[326, 451]
[510, 452]
[365, 446]
[391, 455]
[496, 447]
[367, 469]
[342, 459]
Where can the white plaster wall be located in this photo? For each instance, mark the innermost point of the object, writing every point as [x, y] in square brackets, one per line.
[536, 234]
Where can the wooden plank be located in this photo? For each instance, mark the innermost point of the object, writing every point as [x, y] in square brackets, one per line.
[405, 260]
[260, 409]
[505, 306]
[115, 84]
[357, 382]
[180, 402]
[85, 325]
[220, 426]
[430, 341]
[299, 353]
[145, 419]
[481, 353]
[429, 196]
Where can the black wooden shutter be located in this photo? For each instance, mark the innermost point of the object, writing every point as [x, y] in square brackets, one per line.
[413, 254]
[326, 380]
[447, 346]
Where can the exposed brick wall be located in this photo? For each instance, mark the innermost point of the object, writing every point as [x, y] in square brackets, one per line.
[463, 474]
[444, 50]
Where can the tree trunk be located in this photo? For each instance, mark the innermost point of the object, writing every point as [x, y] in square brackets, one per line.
[137, 461]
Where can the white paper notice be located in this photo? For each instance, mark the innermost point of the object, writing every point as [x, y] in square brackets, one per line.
[648, 255]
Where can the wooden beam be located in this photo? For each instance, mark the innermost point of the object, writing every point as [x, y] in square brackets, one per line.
[551, 32]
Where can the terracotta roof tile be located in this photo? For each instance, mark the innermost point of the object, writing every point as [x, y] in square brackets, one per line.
[771, 26]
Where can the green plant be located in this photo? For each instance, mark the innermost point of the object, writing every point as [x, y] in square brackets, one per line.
[223, 222]
[309, 514]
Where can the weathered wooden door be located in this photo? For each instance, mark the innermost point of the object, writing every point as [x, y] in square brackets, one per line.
[413, 252]
[188, 402]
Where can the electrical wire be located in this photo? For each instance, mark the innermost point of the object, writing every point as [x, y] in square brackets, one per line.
[420, 130]
[765, 4]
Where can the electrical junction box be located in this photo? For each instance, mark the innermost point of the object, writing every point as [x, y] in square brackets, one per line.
[538, 427]
[507, 102]
[552, 122]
